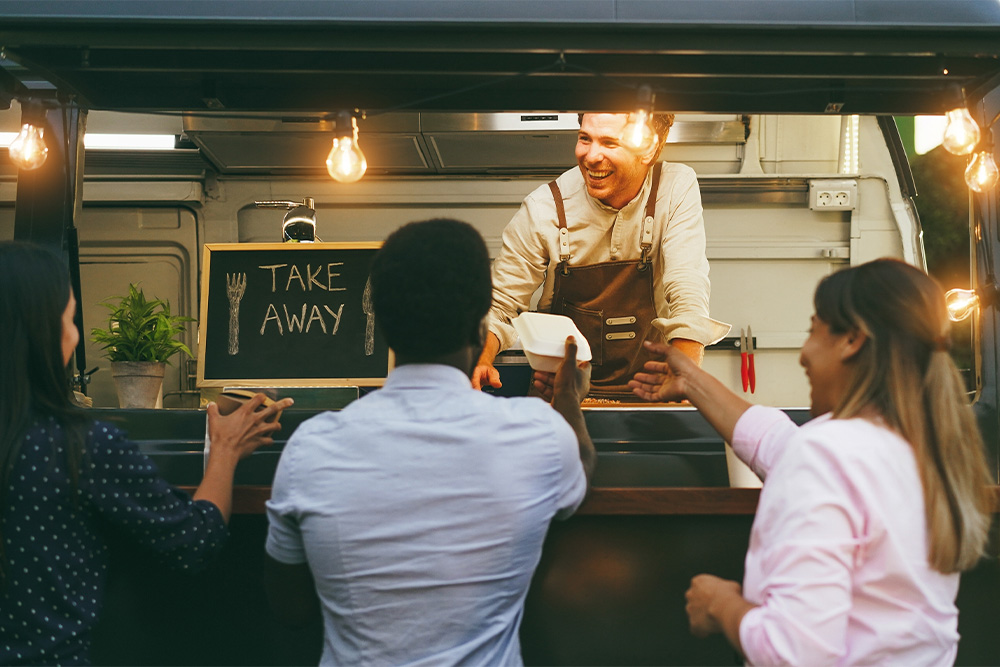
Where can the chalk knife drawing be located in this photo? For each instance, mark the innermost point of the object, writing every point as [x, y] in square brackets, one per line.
[366, 305]
[236, 285]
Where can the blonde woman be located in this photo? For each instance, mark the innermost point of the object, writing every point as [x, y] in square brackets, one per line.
[869, 512]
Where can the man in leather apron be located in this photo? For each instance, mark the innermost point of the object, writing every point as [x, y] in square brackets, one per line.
[619, 246]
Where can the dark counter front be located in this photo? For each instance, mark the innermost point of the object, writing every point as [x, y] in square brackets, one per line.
[608, 590]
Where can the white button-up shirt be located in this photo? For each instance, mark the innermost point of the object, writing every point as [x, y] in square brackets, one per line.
[421, 510]
[598, 233]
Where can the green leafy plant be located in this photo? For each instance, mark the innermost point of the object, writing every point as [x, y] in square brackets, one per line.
[140, 329]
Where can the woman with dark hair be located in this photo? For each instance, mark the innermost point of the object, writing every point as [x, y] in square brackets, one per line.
[67, 482]
[869, 512]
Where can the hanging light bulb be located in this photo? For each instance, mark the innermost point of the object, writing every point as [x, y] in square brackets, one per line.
[961, 134]
[28, 150]
[638, 136]
[960, 303]
[346, 163]
[982, 174]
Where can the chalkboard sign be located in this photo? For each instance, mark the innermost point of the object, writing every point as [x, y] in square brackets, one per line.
[289, 314]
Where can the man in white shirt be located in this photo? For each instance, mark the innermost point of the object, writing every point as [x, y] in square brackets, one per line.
[618, 245]
[417, 513]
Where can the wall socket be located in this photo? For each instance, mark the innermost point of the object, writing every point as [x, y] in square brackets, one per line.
[833, 195]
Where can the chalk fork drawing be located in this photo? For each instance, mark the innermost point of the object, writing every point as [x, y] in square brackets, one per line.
[236, 285]
[366, 305]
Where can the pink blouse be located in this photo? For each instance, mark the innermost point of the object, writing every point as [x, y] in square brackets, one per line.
[838, 552]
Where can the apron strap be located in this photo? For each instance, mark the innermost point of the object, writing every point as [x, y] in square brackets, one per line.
[561, 214]
[646, 240]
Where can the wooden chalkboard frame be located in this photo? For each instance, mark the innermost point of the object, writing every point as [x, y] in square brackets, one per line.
[203, 322]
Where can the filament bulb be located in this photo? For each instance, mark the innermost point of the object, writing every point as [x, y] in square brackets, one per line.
[960, 303]
[638, 135]
[28, 150]
[346, 163]
[961, 134]
[982, 174]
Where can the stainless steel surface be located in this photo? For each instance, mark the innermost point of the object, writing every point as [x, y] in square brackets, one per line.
[421, 143]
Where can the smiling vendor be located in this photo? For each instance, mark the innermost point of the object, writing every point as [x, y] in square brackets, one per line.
[619, 246]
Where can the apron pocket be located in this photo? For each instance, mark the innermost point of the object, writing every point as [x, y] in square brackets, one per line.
[591, 325]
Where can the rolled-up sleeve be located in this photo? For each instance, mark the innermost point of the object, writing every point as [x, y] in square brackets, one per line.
[683, 262]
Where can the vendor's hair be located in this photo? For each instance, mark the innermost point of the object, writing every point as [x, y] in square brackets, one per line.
[431, 288]
[661, 122]
[904, 371]
[34, 383]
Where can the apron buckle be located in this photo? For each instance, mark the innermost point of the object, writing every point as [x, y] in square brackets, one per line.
[643, 259]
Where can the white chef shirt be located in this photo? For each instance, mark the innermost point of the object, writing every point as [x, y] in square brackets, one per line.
[599, 233]
[421, 510]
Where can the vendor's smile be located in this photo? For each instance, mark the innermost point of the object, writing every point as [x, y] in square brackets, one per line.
[613, 175]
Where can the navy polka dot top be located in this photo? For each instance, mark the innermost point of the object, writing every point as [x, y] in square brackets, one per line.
[57, 549]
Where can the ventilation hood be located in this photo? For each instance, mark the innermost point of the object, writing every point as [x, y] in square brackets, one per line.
[418, 143]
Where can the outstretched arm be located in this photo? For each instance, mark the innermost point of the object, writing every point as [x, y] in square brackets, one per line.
[234, 437]
[677, 377]
[571, 384]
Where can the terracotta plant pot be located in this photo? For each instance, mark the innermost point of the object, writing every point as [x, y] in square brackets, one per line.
[139, 383]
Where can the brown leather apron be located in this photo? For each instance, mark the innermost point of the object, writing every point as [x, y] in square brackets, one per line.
[611, 303]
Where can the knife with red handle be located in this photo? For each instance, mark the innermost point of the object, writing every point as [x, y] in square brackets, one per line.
[744, 369]
[751, 373]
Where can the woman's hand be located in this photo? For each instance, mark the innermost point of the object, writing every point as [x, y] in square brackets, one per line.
[716, 605]
[246, 429]
[664, 381]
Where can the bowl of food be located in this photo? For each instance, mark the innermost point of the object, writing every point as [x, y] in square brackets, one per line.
[543, 337]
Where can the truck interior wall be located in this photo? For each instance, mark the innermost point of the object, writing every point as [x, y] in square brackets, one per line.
[766, 246]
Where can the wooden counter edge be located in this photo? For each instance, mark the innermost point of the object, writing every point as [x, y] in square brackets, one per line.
[622, 501]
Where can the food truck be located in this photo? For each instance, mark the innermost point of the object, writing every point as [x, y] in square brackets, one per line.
[784, 110]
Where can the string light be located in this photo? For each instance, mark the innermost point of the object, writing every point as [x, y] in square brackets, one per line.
[346, 163]
[28, 150]
[981, 175]
[638, 136]
[961, 134]
[961, 303]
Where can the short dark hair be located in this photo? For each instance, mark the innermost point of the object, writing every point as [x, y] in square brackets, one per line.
[431, 287]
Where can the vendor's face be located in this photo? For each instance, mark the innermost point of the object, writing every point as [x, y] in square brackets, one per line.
[823, 357]
[70, 334]
[613, 174]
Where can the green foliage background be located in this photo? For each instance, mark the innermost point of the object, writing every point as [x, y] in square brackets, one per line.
[943, 206]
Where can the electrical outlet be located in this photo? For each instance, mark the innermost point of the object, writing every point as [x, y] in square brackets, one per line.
[833, 195]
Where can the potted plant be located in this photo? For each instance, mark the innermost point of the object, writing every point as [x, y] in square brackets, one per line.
[139, 341]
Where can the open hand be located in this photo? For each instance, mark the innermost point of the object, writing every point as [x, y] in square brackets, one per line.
[247, 428]
[663, 381]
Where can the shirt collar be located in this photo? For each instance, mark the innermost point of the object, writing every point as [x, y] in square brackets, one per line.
[636, 201]
[411, 376]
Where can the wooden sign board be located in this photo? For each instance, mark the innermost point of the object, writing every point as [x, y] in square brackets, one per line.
[289, 314]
